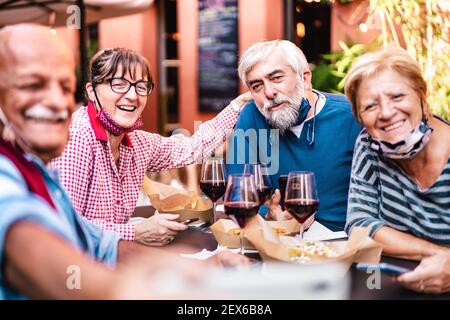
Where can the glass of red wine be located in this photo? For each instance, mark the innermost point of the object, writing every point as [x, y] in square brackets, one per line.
[301, 198]
[212, 183]
[241, 201]
[282, 181]
[262, 181]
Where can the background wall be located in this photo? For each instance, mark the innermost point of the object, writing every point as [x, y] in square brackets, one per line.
[258, 20]
[345, 20]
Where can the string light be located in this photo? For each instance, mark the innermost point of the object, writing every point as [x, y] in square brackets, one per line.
[300, 30]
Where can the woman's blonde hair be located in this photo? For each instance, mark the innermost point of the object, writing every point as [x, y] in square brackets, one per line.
[372, 64]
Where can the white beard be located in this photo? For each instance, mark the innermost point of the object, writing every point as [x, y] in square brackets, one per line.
[285, 117]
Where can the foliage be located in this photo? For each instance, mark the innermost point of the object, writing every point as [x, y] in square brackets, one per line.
[424, 26]
[330, 76]
[421, 26]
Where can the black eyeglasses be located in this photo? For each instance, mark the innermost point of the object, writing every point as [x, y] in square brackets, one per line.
[121, 85]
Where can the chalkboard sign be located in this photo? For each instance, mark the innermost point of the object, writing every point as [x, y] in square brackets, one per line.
[218, 54]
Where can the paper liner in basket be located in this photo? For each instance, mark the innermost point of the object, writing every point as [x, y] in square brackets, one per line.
[224, 232]
[358, 248]
[167, 199]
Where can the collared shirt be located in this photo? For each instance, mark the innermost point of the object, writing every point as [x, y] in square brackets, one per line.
[107, 195]
[18, 203]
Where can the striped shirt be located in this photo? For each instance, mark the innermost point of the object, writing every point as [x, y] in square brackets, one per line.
[381, 194]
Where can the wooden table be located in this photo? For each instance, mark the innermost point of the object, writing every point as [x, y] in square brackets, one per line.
[359, 289]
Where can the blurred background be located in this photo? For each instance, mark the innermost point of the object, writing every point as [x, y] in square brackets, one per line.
[194, 45]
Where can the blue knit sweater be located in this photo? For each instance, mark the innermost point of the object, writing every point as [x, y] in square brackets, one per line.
[329, 157]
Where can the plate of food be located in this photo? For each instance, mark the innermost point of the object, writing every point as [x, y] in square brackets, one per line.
[227, 232]
[274, 247]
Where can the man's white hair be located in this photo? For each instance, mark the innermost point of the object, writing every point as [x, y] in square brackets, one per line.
[260, 51]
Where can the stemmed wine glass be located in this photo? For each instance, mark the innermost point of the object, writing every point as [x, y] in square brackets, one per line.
[212, 183]
[262, 181]
[282, 181]
[241, 201]
[301, 198]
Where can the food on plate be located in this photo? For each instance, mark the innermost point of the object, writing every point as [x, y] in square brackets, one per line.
[280, 231]
[306, 250]
[234, 231]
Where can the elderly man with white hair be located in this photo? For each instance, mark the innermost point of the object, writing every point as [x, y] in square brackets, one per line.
[47, 250]
[296, 128]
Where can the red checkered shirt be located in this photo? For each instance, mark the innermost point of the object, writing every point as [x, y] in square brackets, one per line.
[107, 196]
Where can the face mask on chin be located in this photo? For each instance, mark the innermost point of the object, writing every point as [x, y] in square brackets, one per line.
[112, 126]
[407, 147]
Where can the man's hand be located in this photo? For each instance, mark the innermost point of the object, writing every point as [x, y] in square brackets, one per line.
[275, 212]
[158, 230]
[227, 258]
[432, 275]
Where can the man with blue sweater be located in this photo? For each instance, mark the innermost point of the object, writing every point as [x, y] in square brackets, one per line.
[291, 127]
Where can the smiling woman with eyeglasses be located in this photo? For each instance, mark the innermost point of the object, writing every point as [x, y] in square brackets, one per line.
[105, 161]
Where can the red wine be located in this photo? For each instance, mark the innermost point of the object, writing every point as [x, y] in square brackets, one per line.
[264, 194]
[302, 209]
[282, 182]
[213, 189]
[241, 211]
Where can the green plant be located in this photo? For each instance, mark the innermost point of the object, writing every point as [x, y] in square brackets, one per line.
[330, 76]
[323, 79]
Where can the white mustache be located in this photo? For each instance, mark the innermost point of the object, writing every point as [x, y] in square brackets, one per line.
[42, 112]
[274, 102]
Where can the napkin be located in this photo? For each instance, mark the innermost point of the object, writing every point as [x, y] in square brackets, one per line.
[318, 232]
[206, 254]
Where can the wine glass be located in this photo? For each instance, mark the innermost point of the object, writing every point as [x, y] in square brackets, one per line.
[262, 181]
[301, 198]
[241, 201]
[282, 181]
[212, 183]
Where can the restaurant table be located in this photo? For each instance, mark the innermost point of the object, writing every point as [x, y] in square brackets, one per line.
[389, 289]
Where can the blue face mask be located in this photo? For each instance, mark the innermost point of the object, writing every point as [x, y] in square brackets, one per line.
[303, 111]
[406, 148]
